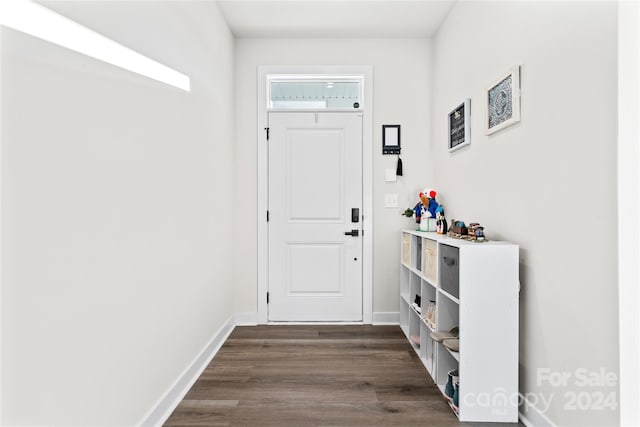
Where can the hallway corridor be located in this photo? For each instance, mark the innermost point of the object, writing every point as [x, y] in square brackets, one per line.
[314, 376]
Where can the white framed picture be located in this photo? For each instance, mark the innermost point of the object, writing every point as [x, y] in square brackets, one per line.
[459, 126]
[502, 101]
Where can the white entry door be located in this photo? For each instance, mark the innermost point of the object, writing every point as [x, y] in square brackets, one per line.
[315, 197]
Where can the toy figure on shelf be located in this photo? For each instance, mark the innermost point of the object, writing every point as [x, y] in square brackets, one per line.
[425, 210]
[476, 232]
[417, 212]
[441, 222]
[428, 199]
[458, 229]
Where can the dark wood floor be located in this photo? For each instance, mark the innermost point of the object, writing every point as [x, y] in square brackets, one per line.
[314, 376]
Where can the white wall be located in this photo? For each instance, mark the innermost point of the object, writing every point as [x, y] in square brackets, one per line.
[547, 183]
[629, 209]
[116, 214]
[402, 91]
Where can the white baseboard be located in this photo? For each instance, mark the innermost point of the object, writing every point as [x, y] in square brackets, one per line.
[165, 406]
[251, 319]
[315, 323]
[247, 319]
[531, 416]
[386, 318]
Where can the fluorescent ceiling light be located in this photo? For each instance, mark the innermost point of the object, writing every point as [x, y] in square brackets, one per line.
[38, 21]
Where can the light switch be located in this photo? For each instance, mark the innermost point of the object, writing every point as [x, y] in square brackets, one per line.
[390, 175]
[391, 200]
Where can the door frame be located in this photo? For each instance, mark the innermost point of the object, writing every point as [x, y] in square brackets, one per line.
[366, 72]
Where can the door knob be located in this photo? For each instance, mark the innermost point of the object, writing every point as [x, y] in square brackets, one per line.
[354, 233]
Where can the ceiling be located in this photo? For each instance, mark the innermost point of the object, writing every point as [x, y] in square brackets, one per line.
[335, 18]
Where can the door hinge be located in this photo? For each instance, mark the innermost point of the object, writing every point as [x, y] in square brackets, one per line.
[267, 297]
[267, 216]
[267, 130]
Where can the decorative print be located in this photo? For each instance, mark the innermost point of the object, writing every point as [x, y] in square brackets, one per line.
[500, 102]
[503, 101]
[459, 123]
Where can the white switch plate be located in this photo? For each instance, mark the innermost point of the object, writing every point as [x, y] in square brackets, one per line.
[391, 200]
[390, 175]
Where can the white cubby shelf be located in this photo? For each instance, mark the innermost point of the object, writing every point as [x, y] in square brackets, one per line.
[475, 286]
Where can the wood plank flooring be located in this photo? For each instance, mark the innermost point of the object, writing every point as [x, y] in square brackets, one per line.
[314, 376]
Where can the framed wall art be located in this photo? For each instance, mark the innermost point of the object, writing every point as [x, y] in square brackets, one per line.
[502, 100]
[459, 126]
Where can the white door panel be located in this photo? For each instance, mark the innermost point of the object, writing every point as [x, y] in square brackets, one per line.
[305, 279]
[315, 179]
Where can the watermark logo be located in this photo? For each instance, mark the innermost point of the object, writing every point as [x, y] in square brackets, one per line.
[499, 400]
[578, 390]
[589, 390]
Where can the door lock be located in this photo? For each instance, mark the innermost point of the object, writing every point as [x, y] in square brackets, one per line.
[355, 215]
[354, 233]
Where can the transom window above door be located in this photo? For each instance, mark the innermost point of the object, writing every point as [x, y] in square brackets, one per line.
[314, 92]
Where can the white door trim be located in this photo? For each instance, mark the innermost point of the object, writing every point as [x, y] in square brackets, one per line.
[367, 179]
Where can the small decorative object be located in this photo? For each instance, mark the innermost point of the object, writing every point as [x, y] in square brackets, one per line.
[417, 211]
[441, 221]
[408, 213]
[503, 101]
[458, 229]
[476, 232]
[430, 317]
[471, 230]
[425, 210]
[459, 128]
[391, 139]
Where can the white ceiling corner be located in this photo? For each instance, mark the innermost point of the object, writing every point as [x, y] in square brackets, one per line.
[335, 18]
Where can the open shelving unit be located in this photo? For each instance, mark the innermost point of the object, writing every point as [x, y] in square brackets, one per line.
[474, 286]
